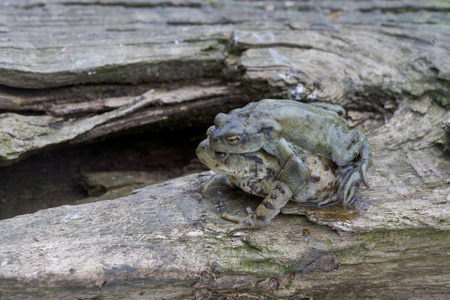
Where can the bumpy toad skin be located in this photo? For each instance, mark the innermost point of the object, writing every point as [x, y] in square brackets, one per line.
[257, 173]
[281, 127]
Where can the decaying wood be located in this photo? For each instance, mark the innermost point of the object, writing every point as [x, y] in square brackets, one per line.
[165, 241]
[27, 133]
[70, 72]
[446, 140]
[340, 52]
[24, 134]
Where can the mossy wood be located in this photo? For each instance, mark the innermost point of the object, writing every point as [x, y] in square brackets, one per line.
[72, 72]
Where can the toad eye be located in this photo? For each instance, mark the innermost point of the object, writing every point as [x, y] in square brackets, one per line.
[233, 140]
[220, 155]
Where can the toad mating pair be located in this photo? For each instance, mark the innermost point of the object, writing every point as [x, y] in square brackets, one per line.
[285, 150]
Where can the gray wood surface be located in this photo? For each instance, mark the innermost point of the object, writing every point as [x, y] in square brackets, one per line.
[74, 71]
[361, 54]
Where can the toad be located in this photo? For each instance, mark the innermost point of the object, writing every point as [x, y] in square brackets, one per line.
[257, 173]
[284, 127]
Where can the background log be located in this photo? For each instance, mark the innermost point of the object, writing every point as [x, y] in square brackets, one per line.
[363, 55]
[66, 63]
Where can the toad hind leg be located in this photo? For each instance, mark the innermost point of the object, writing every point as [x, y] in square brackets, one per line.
[359, 174]
[265, 212]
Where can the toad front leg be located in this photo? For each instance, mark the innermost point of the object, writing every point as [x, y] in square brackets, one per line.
[271, 206]
[216, 180]
[295, 172]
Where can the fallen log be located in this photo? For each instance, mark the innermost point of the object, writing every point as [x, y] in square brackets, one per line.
[167, 241]
[73, 78]
[331, 51]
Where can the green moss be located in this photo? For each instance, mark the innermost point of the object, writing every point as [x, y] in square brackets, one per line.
[367, 247]
[264, 267]
[252, 244]
[250, 258]
[214, 4]
[406, 51]
[329, 243]
[289, 284]
[439, 2]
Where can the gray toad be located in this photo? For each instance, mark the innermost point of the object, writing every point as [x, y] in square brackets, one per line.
[284, 127]
[257, 173]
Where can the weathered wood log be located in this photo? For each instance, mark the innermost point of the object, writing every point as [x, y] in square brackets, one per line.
[386, 62]
[341, 52]
[27, 133]
[166, 242]
[22, 135]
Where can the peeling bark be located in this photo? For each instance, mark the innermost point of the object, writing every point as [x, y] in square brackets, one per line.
[27, 133]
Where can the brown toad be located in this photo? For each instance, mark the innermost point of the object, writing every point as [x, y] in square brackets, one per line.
[284, 127]
[257, 173]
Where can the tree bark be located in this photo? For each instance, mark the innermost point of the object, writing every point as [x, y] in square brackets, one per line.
[72, 72]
